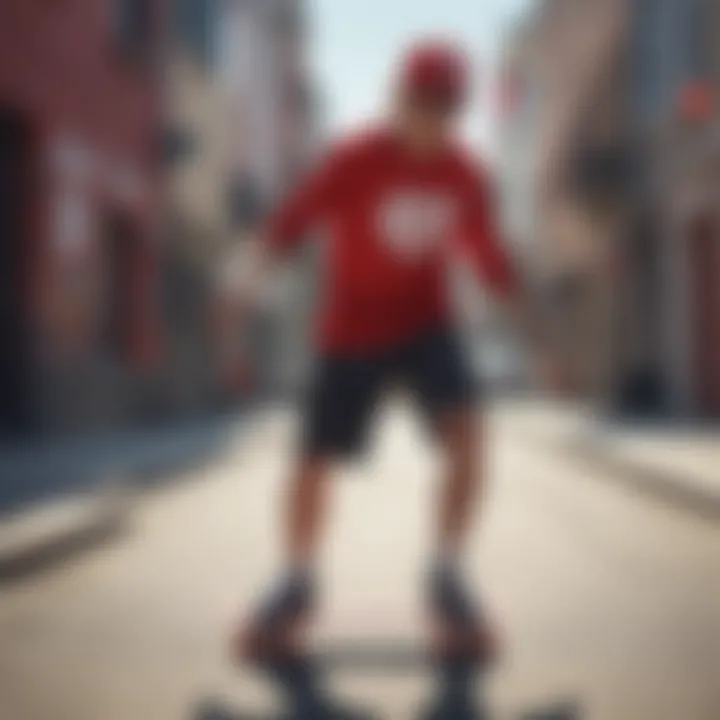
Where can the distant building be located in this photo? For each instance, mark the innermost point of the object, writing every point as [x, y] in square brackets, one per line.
[198, 108]
[243, 118]
[200, 132]
[264, 63]
[242, 108]
[607, 158]
[560, 71]
[265, 66]
[80, 211]
[520, 105]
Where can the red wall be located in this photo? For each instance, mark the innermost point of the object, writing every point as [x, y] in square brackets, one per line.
[95, 119]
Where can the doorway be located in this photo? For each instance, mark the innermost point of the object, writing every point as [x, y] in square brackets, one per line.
[119, 263]
[704, 261]
[15, 377]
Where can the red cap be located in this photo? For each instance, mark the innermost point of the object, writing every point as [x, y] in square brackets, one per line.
[437, 70]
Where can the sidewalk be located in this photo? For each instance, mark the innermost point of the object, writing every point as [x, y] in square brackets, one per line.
[674, 463]
[60, 497]
[37, 472]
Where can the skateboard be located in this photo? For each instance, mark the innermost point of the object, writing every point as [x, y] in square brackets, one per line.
[298, 669]
[300, 674]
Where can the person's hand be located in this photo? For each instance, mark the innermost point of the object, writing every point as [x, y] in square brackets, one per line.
[251, 283]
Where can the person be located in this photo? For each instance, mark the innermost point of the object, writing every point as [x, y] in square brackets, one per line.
[395, 202]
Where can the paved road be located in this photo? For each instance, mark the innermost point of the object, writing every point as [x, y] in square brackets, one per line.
[606, 598]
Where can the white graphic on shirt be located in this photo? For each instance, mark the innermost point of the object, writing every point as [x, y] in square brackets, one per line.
[414, 223]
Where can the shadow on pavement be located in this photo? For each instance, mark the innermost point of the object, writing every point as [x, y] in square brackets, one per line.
[562, 711]
[44, 556]
[301, 684]
[456, 694]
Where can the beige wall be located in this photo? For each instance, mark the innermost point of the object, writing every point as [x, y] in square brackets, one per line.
[198, 184]
[580, 49]
[573, 50]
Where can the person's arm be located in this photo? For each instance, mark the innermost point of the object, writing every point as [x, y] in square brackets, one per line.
[492, 261]
[287, 227]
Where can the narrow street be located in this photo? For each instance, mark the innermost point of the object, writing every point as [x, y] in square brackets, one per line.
[606, 598]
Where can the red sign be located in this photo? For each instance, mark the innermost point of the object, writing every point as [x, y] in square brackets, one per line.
[697, 101]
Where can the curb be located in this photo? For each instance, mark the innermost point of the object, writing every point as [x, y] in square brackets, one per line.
[670, 488]
[47, 535]
[95, 490]
[30, 474]
[584, 443]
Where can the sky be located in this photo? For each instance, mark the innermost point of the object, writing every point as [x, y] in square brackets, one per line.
[356, 43]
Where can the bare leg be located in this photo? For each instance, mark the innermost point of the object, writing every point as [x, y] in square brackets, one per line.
[463, 480]
[278, 624]
[461, 625]
[306, 511]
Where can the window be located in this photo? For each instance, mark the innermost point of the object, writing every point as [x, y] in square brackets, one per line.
[672, 47]
[134, 29]
[245, 204]
[648, 80]
[196, 22]
[698, 40]
[119, 248]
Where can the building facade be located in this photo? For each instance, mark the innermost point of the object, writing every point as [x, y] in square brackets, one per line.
[80, 216]
[264, 56]
[141, 142]
[265, 69]
[615, 162]
[678, 85]
[562, 69]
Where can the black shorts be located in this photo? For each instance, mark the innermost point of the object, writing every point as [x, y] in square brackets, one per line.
[345, 389]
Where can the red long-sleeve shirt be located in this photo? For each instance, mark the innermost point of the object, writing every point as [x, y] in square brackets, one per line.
[390, 219]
